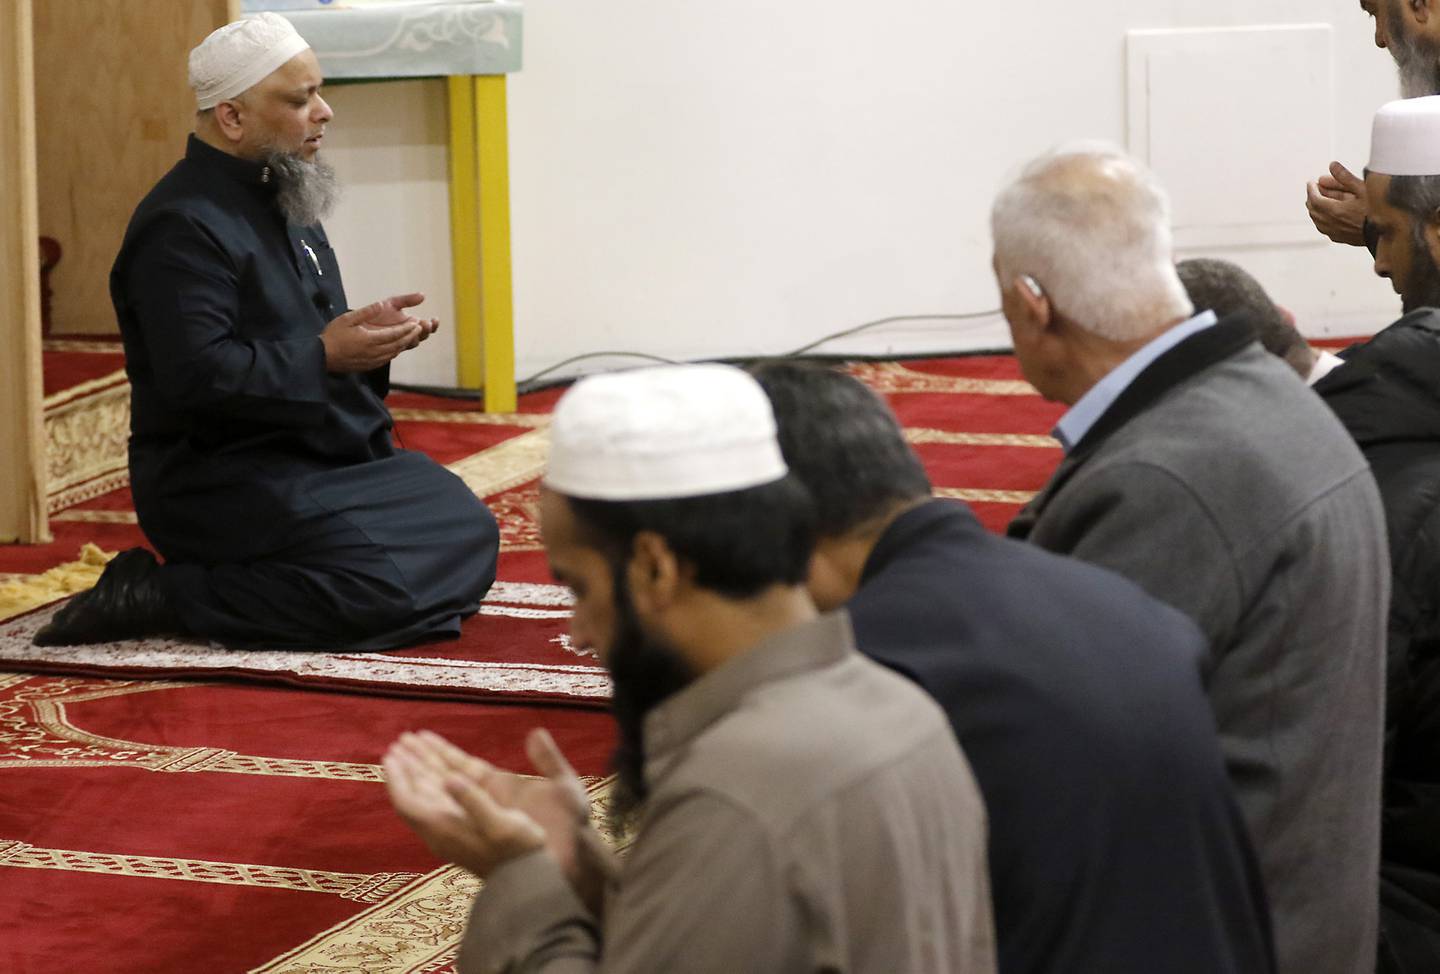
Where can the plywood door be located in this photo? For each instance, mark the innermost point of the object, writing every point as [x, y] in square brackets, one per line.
[113, 109]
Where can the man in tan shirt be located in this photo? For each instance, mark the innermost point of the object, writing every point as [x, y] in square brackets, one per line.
[795, 807]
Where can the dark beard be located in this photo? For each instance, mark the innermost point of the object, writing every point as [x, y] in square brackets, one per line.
[308, 189]
[644, 673]
[1422, 290]
[1418, 62]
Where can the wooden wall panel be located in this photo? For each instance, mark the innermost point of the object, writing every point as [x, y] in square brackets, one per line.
[114, 108]
[22, 443]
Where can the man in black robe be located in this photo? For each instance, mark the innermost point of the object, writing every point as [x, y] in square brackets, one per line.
[1115, 843]
[261, 461]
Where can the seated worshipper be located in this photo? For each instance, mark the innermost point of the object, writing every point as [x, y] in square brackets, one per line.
[1227, 289]
[1075, 696]
[1197, 466]
[795, 806]
[1387, 397]
[260, 454]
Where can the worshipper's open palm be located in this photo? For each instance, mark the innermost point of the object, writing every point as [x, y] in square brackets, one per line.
[395, 310]
[455, 817]
[479, 816]
[1338, 206]
[359, 341]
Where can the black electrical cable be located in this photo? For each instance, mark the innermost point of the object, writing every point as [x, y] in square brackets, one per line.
[846, 333]
[532, 382]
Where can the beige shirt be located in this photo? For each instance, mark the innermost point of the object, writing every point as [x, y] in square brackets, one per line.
[809, 811]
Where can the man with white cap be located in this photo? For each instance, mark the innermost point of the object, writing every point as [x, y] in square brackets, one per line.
[1199, 466]
[261, 461]
[1410, 31]
[1387, 397]
[795, 807]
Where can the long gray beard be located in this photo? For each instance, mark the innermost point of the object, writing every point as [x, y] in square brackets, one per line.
[308, 191]
[1419, 63]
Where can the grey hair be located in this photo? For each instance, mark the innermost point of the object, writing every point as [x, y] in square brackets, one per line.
[1092, 225]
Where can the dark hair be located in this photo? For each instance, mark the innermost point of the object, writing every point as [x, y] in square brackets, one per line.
[739, 543]
[1228, 289]
[1418, 196]
[843, 442]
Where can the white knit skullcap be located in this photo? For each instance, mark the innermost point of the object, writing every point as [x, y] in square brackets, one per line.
[667, 432]
[236, 56]
[1405, 139]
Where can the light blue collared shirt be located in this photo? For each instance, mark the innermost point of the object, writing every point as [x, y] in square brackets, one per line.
[1090, 407]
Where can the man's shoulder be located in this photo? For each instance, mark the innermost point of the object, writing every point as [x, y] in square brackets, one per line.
[1245, 414]
[795, 743]
[182, 195]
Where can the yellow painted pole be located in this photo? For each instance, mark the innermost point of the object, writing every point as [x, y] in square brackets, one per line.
[480, 239]
[465, 232]
[496, 296]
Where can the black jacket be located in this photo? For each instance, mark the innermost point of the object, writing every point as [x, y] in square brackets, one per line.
[1115, 843]
[1388, 397]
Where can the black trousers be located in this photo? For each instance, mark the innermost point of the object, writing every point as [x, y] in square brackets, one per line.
[371, 556]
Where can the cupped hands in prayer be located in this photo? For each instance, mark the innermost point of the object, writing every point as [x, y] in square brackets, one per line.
[369, 337]
[1337, 205]
[475, 815]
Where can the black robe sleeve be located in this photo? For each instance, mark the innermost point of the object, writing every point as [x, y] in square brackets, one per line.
[185, 297]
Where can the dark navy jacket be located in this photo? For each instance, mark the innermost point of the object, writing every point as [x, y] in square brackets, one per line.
[1115, 843]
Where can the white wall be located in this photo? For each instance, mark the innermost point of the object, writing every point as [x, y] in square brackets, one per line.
[709, 179]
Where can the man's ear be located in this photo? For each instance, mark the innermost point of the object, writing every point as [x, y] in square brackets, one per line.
[1033, 301]
[227, 119]
[653, 574]
[1420, 11]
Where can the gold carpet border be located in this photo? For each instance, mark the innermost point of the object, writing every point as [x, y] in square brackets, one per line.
[88, 491]
[96, 517]
[67, 397]
[506, 465]
[116, 347]
[530, 420]
[36, 732]
[975, 496]
[892, 377]
[358, 887]
[87, 437]
[918, 435]
[416, 931]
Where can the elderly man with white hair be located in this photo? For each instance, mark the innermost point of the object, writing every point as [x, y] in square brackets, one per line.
[795, 806]
[260, 453]
[1201, 467]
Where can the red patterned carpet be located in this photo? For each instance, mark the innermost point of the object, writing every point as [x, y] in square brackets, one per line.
[154, 825]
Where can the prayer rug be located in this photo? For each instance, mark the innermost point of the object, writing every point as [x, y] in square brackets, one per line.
[980, 429]
[176, 827]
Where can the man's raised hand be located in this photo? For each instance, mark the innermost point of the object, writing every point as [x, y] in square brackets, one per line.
[453, 813]
[478, 816]
[361, 340]
[396, 312]
[1337, 205]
